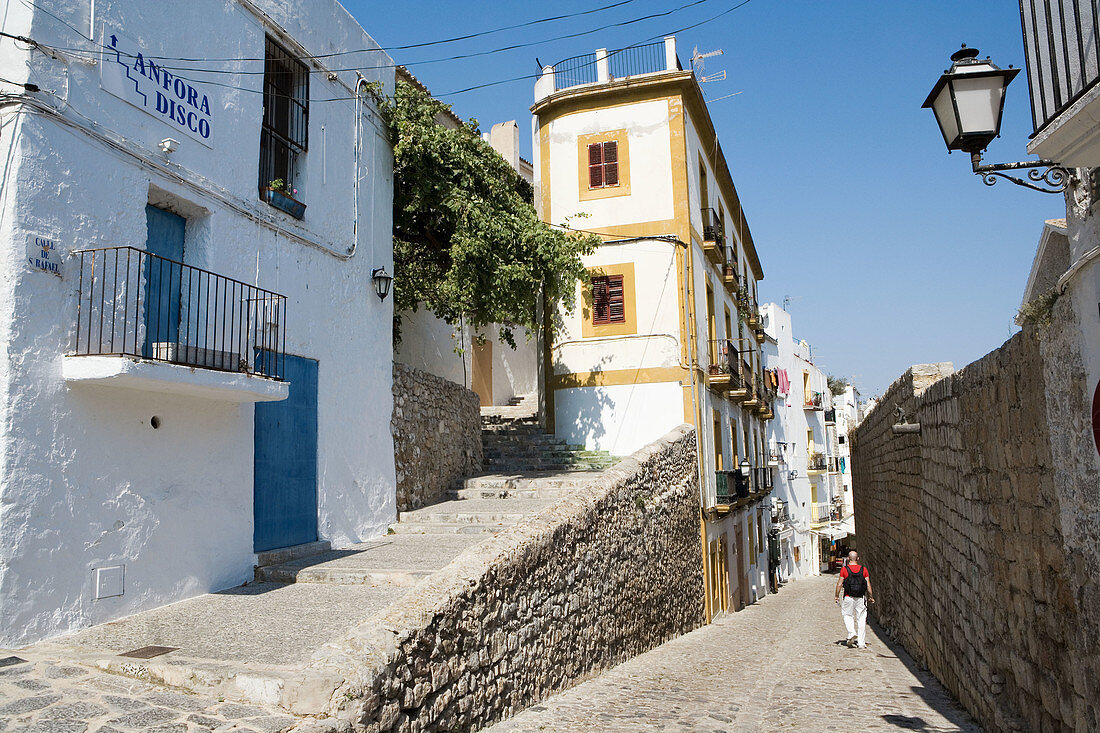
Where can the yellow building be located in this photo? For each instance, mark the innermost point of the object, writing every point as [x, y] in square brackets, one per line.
[669, 331]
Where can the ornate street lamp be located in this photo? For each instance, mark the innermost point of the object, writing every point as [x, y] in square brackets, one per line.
[382, 281]
[968, 101]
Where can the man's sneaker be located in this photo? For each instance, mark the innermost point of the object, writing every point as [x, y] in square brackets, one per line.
[851, 642]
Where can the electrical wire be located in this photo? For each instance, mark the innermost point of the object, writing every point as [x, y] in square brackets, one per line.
[95, 54]
[651, 38]
[455, 57]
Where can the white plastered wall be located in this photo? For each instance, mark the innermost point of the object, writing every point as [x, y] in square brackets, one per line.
[86, 481]
[650, 170]
[619, 419]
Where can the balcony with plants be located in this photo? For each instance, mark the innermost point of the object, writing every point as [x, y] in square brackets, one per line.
[714, 238]
[748, 308]
[817, 462]
[730, 278]
[815, 401]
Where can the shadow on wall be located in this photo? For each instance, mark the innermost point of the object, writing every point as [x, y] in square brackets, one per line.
[932, 692]
[588, 420]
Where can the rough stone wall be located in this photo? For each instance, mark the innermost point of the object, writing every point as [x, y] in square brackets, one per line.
[606, 573]
[436, 428]
[962, 528]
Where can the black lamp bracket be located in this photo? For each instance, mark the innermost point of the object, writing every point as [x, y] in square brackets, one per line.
[1046, 176]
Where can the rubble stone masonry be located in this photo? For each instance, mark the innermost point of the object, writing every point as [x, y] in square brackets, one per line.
[981, 530]
[436, 428]
[609, 571]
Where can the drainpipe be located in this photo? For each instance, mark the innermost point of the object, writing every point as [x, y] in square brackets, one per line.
[689, 314]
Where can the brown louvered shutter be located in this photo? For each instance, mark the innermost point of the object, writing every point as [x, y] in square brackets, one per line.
[600, 306]
[611, 163]
[595, 165]
[615, 311]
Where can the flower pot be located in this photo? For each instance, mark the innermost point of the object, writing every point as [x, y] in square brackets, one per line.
[280, 200]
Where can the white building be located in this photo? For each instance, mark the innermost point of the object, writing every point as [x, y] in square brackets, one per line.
[193, 368]
[847, 415]
[803, 445]
[668, 333]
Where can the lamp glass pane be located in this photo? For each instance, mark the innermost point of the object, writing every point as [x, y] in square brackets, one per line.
[979, 102]
[945, 114]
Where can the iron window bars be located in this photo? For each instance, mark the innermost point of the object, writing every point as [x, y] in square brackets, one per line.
[284, 134]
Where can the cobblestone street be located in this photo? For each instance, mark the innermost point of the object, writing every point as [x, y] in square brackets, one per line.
[45, 696]
[774, 666]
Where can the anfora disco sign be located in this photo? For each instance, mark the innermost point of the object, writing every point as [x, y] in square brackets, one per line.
[129, 73]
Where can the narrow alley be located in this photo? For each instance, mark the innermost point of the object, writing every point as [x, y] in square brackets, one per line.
[774, 666]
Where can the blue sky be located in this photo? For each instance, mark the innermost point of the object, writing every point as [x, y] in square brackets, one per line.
[891, 251]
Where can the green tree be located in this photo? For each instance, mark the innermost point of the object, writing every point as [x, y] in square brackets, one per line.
[467, 242]
[837, 385]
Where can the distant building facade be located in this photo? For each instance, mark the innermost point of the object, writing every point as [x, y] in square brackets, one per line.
[805, 448]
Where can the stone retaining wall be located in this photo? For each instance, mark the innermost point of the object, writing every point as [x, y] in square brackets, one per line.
[608, 572]
[961, 525]
[436, 428]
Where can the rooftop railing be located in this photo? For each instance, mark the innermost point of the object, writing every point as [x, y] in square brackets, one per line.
[134, 303]
[647, 58]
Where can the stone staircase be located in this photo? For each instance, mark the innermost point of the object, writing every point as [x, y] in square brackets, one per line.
[514, 442]
[530, 470]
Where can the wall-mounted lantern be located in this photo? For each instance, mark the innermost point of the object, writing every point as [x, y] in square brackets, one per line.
[968, 102]
[746, 468]
[382, 281]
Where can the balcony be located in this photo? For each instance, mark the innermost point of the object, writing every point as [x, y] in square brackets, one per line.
[592, 68]
[1063, 74]
[747, 307]
[729, 273]
[759, 335]
[733, 490]
[722, 370]
[821, 513]
[148, 322]
[762, 479]
[833, 465]
[815, 401]
[714, 237]
[830, 416]
[816, 462]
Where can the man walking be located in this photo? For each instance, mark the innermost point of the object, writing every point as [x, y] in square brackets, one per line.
[855, 583]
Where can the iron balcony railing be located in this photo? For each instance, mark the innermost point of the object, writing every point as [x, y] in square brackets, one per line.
[761, 479]
[821, 512]
[713, 229]
[817, 462]
[1060, 46]
[134, 303]
[780, 512]
[575, 71]
[722, 357]
[622, 62]
[830, 415]
[635, 60]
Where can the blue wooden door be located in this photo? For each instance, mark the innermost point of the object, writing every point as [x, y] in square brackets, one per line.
[162, 278]
[285, 483]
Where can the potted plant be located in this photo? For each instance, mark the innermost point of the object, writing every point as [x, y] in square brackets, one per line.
[280, 194]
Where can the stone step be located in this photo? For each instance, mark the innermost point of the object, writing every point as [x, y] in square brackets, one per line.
[474, 511]
[527, 485]
[398, 561]
[448, 528]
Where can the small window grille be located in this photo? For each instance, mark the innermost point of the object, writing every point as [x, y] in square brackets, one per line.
[607, 300]
[603, 164]
[284, 134]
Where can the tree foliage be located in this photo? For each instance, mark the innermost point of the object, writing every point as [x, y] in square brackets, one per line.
[467, 242]
[837, 385]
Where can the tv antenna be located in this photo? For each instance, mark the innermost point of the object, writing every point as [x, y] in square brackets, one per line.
[698, 65]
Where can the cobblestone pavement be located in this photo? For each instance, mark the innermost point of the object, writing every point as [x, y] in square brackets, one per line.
[46, 696]
[774, 666]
